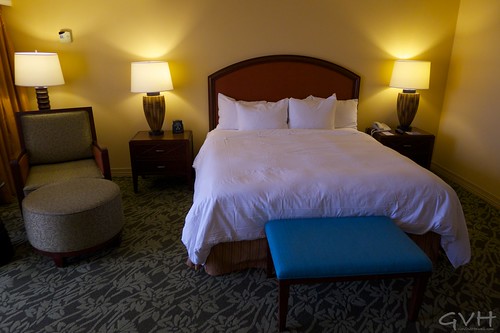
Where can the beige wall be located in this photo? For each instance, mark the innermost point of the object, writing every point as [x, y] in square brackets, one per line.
[198, 37]
[468, 142]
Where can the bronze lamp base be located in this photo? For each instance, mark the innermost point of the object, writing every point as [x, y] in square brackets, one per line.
[407, 106]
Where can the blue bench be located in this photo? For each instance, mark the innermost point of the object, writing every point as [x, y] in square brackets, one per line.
[317, 250]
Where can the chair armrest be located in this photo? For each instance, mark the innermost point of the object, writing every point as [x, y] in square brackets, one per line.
[20, 168]
[101, 157]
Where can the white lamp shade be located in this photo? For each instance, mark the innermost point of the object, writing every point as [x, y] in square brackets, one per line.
[37, 69]
[150, 76]
[411, 74]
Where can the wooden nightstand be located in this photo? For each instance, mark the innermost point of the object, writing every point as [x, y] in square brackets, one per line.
[168, 154]
[418, 146]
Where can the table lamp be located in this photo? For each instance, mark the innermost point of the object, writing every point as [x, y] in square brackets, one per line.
[39, 70]
[151, 77]
[409, 75]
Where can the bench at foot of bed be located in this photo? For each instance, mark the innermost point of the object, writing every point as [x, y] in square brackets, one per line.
[306, 251]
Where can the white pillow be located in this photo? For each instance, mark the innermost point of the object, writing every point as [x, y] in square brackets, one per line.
[312, 112]
[346, 114]
[262, 115]
[228, 118]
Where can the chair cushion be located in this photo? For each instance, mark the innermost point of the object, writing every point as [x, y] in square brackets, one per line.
[346, 246]
[51, 173]
[57, 137]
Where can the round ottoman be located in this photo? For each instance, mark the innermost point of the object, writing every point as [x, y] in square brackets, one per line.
[74, 217]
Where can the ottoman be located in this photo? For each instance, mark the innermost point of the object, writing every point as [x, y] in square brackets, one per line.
[73, 217]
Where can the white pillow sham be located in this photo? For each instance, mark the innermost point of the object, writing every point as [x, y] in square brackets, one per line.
[228, 119]
[346, 114]
[228, 116]
[262, 115]
[228, 113]
[312, 112]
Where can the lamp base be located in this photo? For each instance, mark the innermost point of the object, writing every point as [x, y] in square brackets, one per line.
[156, 133]
[42, 98]
[154, 110]
[404, 128]
[407, 106]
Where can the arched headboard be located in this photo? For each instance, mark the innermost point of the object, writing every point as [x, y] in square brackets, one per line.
[274, 77]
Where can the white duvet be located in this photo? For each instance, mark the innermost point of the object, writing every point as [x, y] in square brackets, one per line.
[245, 178]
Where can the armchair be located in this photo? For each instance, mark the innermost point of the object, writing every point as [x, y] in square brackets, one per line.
[57, 145]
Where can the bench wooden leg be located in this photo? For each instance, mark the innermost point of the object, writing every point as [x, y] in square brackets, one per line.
[417, 296]
[283, 293]
[270, 264]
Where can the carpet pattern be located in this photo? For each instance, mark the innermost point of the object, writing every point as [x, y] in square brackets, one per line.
[145, 286]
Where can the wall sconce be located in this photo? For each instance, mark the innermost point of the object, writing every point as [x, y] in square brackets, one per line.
[151, 77]
[409, 75]
[39, 70]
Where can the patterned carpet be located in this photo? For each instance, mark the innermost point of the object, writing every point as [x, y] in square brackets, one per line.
[144, 285]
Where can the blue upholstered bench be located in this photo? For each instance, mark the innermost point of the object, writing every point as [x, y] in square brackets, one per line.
[319, 250]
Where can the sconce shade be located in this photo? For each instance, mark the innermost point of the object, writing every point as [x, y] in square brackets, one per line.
[37, 69]
[409, 75]
[151, 77]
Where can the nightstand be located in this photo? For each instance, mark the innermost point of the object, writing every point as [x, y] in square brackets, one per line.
[417, 144]
[168, 154]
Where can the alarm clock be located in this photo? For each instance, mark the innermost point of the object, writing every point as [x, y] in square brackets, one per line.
[177, 127]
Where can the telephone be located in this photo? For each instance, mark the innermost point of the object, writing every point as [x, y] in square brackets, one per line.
[380, 126]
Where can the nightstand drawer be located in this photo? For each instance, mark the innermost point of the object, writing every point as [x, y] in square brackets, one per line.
[172, 151]
[160, 167]
[409, 145]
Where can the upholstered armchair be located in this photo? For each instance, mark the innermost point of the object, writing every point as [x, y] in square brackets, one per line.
[57, 145]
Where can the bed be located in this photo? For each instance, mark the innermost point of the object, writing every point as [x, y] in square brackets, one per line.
[259, 166]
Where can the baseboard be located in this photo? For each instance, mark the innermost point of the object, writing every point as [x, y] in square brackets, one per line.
[485, 195]
[121, 172]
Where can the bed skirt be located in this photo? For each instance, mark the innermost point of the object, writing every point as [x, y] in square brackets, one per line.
[230, 257]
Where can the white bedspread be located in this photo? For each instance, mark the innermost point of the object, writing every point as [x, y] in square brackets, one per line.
[245, 178]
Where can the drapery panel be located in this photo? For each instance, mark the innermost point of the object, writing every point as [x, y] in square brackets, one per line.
[12, 99]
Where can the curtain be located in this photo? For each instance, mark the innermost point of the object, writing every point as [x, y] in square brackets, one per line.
[13, 99]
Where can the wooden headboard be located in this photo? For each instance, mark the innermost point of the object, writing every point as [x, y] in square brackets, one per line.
[274, 77]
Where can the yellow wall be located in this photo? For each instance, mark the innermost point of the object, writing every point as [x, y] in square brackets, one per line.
[468, 142]
[198, 37]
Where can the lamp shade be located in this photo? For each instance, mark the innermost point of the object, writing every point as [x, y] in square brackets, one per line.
[150, 76]
[411, 74]
[37, 69]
